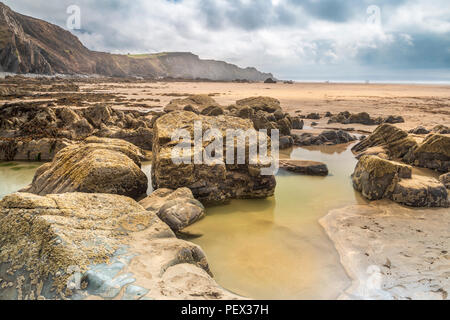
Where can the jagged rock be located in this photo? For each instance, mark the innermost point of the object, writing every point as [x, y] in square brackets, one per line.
[91, 246]
[178, 208]
[378, 178]
[286, 142]
[208, 182]
[313, 116]
[445, 179]
[311, 168]
[432, 153]
[395, 142]
[419, 130]
[95, 166]
[35, 150]
[441, 129]
[297, 123]
[328, 137]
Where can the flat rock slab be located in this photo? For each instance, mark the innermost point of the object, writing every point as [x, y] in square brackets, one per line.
[392, 252]
[311, 168]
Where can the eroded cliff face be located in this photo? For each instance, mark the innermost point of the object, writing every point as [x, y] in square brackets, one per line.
[29, 45]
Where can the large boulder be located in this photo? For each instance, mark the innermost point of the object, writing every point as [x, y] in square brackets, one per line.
[95, 166]
[310, 168]
[178, 208]
[432, 153]
[266, 104]
[395, 142]
[378, 178]
[209, 182]
[95, 246]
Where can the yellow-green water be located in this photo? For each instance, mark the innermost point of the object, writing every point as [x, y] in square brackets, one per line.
[16, 175]
[275, 248]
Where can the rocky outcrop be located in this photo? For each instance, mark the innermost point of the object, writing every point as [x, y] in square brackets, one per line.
[378, 178]
[31, 45]
[193, 103]
[178, 209]
[419, 130]
[95, 246]
[265, 113]
[44, 130]
[432, 153]
[213, 182]
[395, 142]
[445, 180]
[310, 168]
[441, 129]
[328, 137]
[31, 150]
[95, 166]
[363, 118]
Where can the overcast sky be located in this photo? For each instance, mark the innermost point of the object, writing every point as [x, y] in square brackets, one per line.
[294, 39]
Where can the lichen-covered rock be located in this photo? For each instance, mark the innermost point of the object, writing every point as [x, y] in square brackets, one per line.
[266, 104]
[91, 246]
[209, 182]
[31, 150]
[395, 142]
[445, 179]
[311, 168]
[432, 153]
[95, 166]
[178, 208]
[378, 178]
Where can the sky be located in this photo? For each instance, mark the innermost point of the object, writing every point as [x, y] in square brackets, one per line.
[293, 39]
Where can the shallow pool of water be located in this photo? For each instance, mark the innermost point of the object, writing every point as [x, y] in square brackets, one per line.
[275, 248]
[16, 175]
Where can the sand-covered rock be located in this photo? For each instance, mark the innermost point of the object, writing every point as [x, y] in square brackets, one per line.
[214, 182]
[378, 178]
[432, 153]
[395, 142]
[177, 208]
[95, 246]
[311, 168]
[97, 165]
[392, 252]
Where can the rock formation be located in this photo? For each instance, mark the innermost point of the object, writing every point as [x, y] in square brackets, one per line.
[328, 137]
[432, 153]
[97, 165]
[363, 118]
[178, 209]
[214, 182]
[91, 246]
[378, 178]
[311, 168]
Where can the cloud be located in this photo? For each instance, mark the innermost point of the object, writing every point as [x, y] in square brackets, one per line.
[291, 38]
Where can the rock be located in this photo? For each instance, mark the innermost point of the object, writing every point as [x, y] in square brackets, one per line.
[95, 246]
[297, 123]
[441, 129]
[141, 137]
[445, 180]
[328, 114]
[419, 130]
[178, 209]
[311, 168]
[286, 142]
[395, 142]
[378, 178]
[362, 118]
[212, 111]
[432, 153]
[284, 126]
[328, 137]
[215, 182]
[270, 80]
[191, 109]
[95, 166]
[420, 192]
[265, 104]
[35, 150]
[197, 102]
[394, 119]
[313, 116]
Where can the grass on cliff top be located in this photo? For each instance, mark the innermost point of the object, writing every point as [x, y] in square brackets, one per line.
[146, 55]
